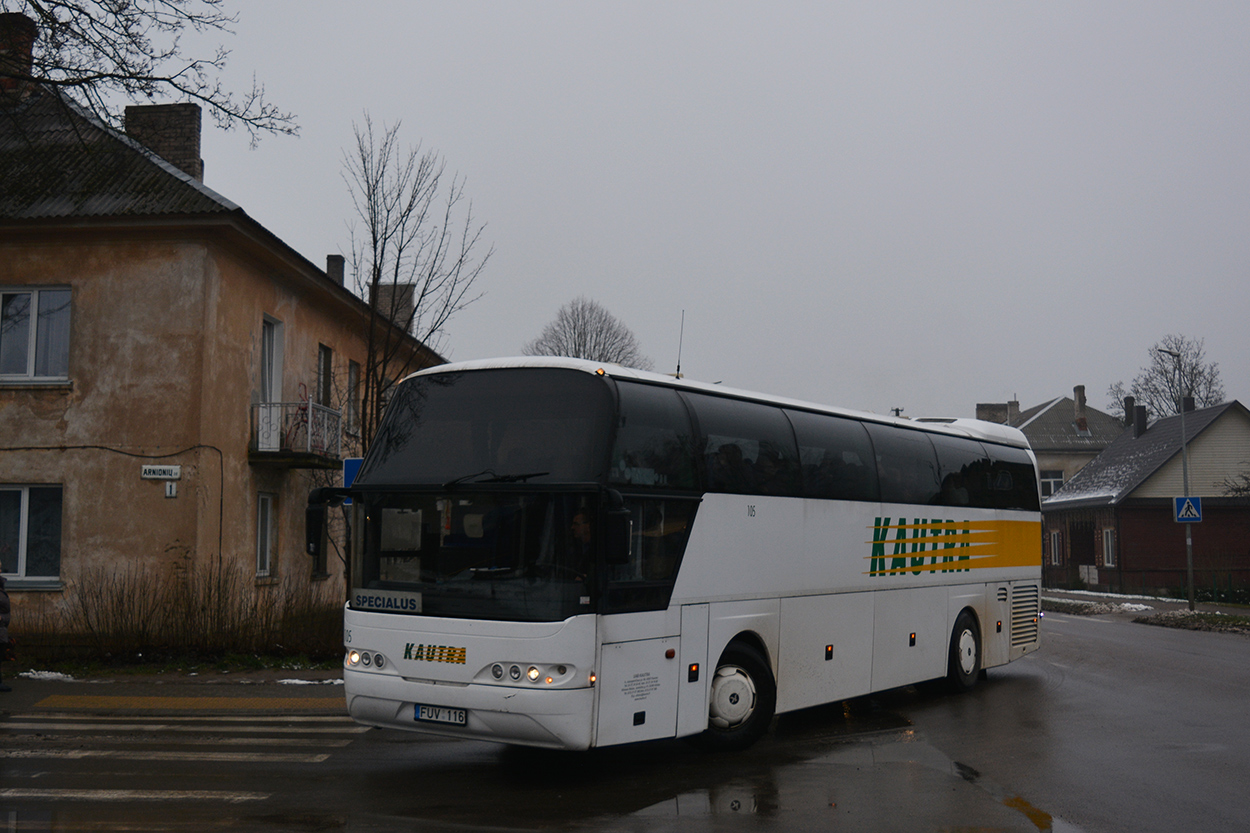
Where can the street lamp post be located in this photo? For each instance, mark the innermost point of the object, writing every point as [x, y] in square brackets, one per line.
[1189, 536]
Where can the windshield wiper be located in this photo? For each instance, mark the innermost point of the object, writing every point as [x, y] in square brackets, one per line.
[467, 477]
[494, 478]
[515, 478]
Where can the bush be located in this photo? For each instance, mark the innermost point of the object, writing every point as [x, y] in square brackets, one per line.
[118, 614]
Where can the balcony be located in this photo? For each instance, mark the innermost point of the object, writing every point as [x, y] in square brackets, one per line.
[296, 435]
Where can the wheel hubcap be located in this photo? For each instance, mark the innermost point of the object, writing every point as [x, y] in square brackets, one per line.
[967, 652]
[733, 697]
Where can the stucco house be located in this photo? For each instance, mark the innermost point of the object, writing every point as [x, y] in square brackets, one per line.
[173, 377]
[1113, 525]
[1064, 433]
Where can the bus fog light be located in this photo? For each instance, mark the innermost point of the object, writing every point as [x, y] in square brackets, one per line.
[496, 671]
[379, 660]
[365, 659]
[515, 672]
[533, 674]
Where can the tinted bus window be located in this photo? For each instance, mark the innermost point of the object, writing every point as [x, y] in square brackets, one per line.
[836, 457]
[964, 471]
[654, 440]
[538, 425]
[748, 448]
[906, 465]
[1013, 479]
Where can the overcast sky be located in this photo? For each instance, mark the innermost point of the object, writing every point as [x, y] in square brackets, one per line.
[920, 206]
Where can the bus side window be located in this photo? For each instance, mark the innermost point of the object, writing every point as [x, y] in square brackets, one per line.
[963, 466]
[1013, 479]
[748, 447]
[906, 465]
[836, 456]
[654, 440]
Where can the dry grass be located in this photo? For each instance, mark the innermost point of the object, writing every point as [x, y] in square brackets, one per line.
[115, 614]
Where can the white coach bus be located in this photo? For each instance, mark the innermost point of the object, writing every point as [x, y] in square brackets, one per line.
[557, 553]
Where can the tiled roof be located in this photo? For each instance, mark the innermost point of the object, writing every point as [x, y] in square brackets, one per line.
[1129, 461]
[58, 162]
[1051, 426]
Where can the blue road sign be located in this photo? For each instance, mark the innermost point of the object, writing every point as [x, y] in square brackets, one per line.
[351, 465]
[1188, 510]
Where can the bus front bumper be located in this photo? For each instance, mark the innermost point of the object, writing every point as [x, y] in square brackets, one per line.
[553, 718]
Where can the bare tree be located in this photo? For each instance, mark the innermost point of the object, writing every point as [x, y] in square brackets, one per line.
[1178, 368]
[415, 258]
[582, 329]
[103, 53]
[1238, 485]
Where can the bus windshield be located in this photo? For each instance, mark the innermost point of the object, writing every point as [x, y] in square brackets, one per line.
[535, 425]
[478, 555]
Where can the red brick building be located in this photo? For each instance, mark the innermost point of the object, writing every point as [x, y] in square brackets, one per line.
[1113, 526]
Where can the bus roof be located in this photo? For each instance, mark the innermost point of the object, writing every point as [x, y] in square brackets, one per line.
[974, 428]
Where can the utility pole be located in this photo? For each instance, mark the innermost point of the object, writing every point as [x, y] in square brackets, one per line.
[1189, 535]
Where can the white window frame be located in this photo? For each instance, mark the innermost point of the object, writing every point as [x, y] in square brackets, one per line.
[266, 533]
[1056, 548]
[271, 360]
[1054, 484]
[23, 532]
[36, 294]
[1108, 546]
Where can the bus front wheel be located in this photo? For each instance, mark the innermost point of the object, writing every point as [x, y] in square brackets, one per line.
[742, 701]
[964, 663]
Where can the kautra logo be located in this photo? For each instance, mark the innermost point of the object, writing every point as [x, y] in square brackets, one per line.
[435, 653]
[934, 545]
[924, 545]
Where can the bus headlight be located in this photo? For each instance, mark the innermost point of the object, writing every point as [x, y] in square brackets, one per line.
[533, 674]
[353, 657]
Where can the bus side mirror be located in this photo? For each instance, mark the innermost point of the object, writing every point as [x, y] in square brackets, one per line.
[314, 528]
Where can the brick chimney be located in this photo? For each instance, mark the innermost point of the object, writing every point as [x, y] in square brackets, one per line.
[334, 268]
[1129, 402]
[395, 301]
[1078, 406]
[1139, 420]
[17, 43]
[171, 131]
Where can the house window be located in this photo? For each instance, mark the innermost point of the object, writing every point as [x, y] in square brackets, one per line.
[266, 533]
[30, 532]
[353, 397]
[325, 367]
[1108, 547]
[34, 334]
[1056, 549]
[270, 360]
[1051, 481]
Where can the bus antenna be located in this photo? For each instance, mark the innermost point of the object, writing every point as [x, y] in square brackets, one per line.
[681, 334]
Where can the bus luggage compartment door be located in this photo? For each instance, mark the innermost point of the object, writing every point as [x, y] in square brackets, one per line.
[638, 691]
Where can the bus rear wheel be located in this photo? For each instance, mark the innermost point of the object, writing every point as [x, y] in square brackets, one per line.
[964, 662]
[742, 701]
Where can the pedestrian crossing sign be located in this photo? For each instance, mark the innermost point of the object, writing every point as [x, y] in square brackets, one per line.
[1188, 510]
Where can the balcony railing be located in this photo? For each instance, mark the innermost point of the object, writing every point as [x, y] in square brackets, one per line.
[298, 434]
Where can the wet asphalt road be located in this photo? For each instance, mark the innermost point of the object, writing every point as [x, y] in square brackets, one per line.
[1112, 726]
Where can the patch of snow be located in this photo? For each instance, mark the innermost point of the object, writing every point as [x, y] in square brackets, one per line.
[46, 675]
[310, 682]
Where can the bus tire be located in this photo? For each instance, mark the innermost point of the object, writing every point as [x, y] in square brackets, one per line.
[963, 667]
[742, 700]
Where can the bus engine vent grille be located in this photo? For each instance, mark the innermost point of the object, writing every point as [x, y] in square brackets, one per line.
[1024, 615]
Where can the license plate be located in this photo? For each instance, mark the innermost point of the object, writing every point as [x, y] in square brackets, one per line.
[440, 714]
